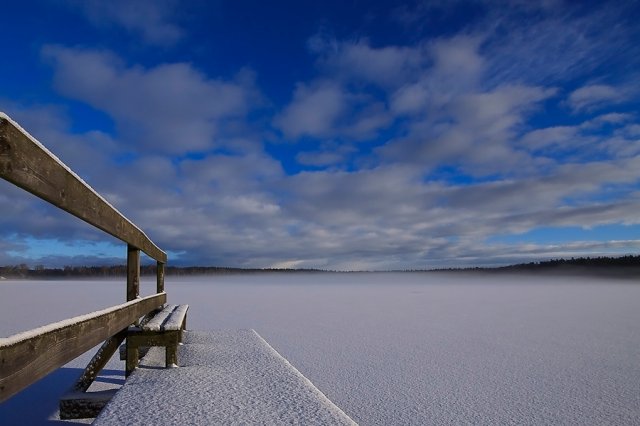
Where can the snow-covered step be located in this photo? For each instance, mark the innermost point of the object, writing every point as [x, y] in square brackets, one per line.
[230, 376]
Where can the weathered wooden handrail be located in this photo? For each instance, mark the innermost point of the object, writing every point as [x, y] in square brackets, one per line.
[27, 357]
[28, 164]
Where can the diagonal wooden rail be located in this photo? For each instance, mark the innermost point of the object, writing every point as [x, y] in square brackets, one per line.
[27, 357]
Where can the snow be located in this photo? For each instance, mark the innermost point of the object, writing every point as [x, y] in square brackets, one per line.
[398, 349]
[226, 376]
[155, 324]
[175, 321]
[170, 318]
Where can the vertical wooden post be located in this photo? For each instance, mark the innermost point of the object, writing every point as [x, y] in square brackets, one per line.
[133, 291]
[133, 272]
[160, 276]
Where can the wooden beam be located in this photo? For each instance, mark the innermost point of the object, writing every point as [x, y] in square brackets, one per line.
[28, 164]
[99, 360]
[160, 277]
[133, 273]
[27, 357]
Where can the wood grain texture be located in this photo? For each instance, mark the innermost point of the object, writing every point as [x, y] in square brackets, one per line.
[23, 361]
[99, 360]
[29, 165]
[133, 272]
[160, 277]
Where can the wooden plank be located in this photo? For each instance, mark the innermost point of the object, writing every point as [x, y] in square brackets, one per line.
[77, 404]
[177, 318]
[155, 324]
[27, 357]
[160, 277]
[133, 272]
[141, 338]
[133, 356]
[28, 164]
[99, 360]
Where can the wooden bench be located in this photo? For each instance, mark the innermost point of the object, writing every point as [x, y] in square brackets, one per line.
[162, 328]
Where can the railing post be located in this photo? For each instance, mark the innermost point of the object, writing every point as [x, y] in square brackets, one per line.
[133, 272]
[133, 291]
[160, 276]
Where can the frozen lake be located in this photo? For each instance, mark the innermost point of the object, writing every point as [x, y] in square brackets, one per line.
[407, 348]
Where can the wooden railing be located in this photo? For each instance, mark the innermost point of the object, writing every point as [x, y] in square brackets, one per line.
[27, 357]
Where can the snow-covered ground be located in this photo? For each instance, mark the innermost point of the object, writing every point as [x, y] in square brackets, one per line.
[400, 349]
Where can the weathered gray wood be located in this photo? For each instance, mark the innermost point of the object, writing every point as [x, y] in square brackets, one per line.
[160, 277]
[27, 357]
[142, 351]
[140, 338]
[99, 360]
[164, 329]
[156, 323]
[133, 272]
[178, 318]
[29, 165]
[133, 356]
[170, 318]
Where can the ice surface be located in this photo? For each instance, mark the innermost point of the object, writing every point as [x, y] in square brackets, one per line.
[413, 348]
[225, 377]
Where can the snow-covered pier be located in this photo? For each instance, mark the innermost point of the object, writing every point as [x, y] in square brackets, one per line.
[224, 377]
[217, 377]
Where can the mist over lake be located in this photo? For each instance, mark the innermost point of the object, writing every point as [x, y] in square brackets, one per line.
[410, 348]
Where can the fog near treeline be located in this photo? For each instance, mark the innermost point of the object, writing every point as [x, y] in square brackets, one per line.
[620, 267]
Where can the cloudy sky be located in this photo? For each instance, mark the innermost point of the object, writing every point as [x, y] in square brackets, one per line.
[335, 134]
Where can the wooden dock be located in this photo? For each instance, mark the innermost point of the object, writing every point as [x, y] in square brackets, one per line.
[224, 377]
[231, 377]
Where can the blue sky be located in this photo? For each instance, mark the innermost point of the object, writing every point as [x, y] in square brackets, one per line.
[339, 135]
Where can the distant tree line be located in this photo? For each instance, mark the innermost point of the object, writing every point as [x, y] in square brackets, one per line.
[611, 266]
[39, 271]
[597, 265]
[589, 262]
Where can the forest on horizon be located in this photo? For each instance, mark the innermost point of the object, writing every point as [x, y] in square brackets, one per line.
[619, 266]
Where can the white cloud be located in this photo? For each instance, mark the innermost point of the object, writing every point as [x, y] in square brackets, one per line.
[242, 210]
[474, 131]
[168, 108]
[254, 205]
[327, 110]
[496, 112]
[319, 158]
[385, 66]
[457, 63]
[150, 19]
[550, 136]
[594, 96]
[313, 110]
[604, 136]
[410, 99]
[455, 67]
